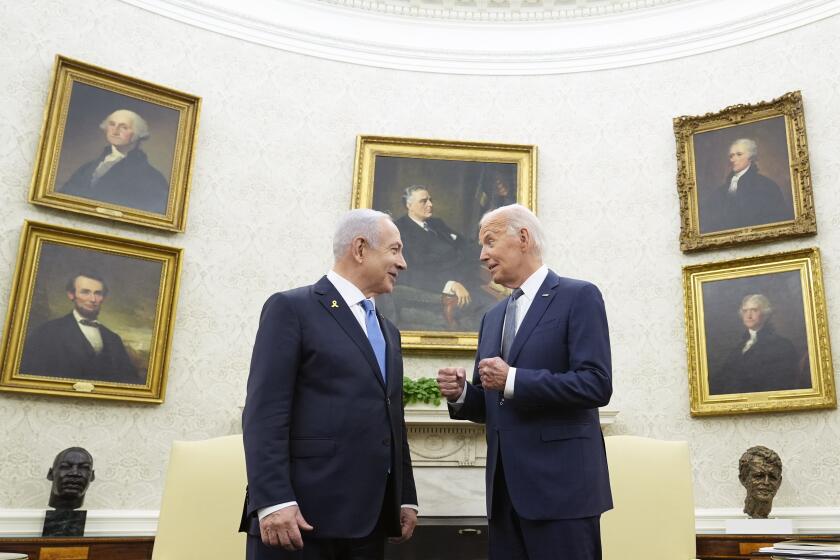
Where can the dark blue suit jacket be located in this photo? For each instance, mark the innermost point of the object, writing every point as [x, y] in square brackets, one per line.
[320, 427]
[549, 435]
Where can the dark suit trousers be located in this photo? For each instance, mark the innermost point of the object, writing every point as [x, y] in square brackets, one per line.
[515, 538]
[367, 548]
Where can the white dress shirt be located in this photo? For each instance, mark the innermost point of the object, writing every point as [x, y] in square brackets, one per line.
[529, 291]
[733, 182]
[353, 298]
[92, 334]
[748, 344]
[106, 164]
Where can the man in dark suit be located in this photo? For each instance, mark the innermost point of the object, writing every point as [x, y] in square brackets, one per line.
[78, 346]
[542, 370]
[761, 360]
[746, 198]
[121, 174]
[439, 259]
[329, 471]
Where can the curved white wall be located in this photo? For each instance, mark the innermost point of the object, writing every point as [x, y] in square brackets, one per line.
[273, 172]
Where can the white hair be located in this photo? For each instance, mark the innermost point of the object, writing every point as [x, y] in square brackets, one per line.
[517, 217]
[362, 222]
[750, 145]
[760, 300]
[141, 128]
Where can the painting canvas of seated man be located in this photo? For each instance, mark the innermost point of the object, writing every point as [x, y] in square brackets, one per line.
[436, 204]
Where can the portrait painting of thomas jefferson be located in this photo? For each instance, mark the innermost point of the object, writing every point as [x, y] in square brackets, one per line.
[743, 176]
[756, 337]
[92, 316]
[437, 204]
[117, 150]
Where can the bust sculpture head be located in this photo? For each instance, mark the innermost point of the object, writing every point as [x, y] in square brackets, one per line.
[760, 471]
[71, 474]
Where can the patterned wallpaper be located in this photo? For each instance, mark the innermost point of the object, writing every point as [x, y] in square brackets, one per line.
[273, 172]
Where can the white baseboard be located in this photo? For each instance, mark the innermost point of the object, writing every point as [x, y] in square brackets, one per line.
[806, 520]
[139, 523]
[99, 523]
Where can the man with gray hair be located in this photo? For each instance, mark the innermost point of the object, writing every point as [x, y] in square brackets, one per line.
[329, 470]
[121, 174]
[746, 198]
[542, 370]
[761, 359]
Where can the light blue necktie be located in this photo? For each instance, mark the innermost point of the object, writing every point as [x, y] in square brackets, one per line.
[374, 333]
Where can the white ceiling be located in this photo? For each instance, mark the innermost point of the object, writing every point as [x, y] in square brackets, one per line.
[559, 36]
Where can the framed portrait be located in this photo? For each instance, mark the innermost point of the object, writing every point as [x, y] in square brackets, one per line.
[90, 315]
[757, 335]
[437, 191]
[743, 175]
[116, 147]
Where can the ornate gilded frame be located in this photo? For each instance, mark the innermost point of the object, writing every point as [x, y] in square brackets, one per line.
[368, 148]
[686, 128]
[33, 239]
[68, 72]
[821, 394]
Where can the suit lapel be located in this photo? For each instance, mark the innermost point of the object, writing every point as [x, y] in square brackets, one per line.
[81, 341]
[335, 305]
[493, 325]
[535, 313]
[391, 351]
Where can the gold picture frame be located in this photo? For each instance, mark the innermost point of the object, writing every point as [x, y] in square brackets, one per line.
[70, 289]
[763, 193]
[757, 335]
[140, 172]
[465, 180]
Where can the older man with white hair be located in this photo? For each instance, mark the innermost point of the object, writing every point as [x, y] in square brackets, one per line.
[761, 359]
[122, 174]
[329, 470]
[542, 370]
[746, 198]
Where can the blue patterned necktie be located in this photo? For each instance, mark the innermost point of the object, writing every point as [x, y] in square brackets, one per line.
[374, 333]
[510, 323]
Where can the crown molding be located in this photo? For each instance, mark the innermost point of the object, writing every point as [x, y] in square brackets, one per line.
[359, 36]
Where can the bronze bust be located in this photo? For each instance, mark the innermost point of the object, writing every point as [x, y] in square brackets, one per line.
[71, 474]
[760, 471]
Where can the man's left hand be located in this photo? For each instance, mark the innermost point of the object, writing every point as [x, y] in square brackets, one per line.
[493, 373]
[408, 521]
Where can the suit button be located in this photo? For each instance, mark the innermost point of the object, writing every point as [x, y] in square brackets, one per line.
[388, 401]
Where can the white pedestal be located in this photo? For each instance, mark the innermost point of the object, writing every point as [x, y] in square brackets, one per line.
[759, 527]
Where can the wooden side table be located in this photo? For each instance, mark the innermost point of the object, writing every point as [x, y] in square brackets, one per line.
[80, 548]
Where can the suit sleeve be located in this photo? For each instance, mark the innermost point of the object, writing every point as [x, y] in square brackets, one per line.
[409, 491]
[474, 406]
[268, 405]
[588, 382]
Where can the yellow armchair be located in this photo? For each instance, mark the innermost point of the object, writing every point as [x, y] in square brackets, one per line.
[202, 501]
[653, 517]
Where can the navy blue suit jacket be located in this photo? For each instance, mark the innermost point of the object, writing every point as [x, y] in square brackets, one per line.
[320, 427]
[549, 435]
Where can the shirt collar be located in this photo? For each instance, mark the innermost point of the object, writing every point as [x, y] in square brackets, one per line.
[78, 317]
[740, 173]
[421, 223]
[348, 291]
[532, 284]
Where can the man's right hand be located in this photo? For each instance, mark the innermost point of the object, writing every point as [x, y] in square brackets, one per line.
[461, 293]
[282, 528]
[451, 382]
